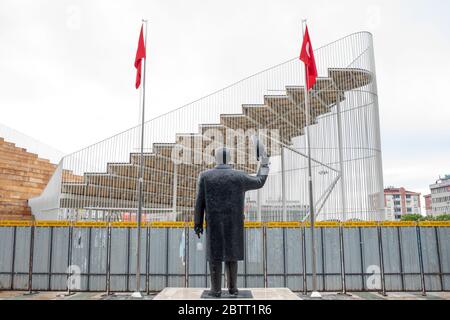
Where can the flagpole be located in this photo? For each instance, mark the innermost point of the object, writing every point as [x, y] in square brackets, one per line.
[315, 293]
[137, 293]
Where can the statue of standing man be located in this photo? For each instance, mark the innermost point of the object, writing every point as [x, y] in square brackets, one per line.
[220, 201]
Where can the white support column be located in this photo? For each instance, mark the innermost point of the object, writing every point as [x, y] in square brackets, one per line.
[258, 205]
[175, 186]
[341, 160]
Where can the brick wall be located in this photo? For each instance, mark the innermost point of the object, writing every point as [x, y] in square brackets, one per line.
[22, 175]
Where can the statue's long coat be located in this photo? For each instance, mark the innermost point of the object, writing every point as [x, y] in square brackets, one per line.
[221, 195]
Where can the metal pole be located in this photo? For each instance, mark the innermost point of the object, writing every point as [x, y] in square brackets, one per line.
[361, 255]
[342, 254]
[186, 256]
[13, 258]
[147, 263]
[108, 257]
[303, 235]
[129, 260]
[245, 256]
[322, 252]
[419, 249]
[283, 183]
[438, 251]
[137, 293]
[89, 259]
[310, 185]
[50, 258]
[31, 256]
[399, 240]
[264, 231]
[175, 189]
[167, 257]
[69, 255]
[380, 252]
[284, 258]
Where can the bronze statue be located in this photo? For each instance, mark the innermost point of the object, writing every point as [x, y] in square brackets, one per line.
[220, 201]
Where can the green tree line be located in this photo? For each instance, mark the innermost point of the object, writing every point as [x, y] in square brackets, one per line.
[419, 217]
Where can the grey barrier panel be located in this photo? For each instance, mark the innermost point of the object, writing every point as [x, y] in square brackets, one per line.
[158, 266]
[353, 259]
[332, 259]
[294, 259]
[197, 261]
[119, 258]
[176, 258]
[392, 259]
[410, 259]
[22, 258]
[132, 259]
[98, 259]
[443, 236]
[430, 259]
[284, 258]
[254, 258]
[370, 258]
[80, 256]
[60, 257]
[319, 262]
[6, 257]
[275, 258]
[41, 258]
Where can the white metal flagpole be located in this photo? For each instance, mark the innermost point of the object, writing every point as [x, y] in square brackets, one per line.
[315, 293]
[137, 293]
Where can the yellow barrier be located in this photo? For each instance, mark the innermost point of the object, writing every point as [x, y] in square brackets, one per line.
[13, 223]
[289, 224]
[123, 224]
[166, 224]
[398, 223]
[90, 224]
[247, 224]
[50, 223]
[327, 224]
[356, 224]
[250, 224]
[434, 223]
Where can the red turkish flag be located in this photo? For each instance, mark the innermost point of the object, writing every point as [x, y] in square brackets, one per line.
[140, 54]
[307, 56]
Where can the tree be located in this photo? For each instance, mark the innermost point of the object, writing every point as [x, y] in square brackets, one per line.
[443, 217]
[411, 217]
[418, 217]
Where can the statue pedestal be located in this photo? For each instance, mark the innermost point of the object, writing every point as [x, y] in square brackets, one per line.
[247, 294]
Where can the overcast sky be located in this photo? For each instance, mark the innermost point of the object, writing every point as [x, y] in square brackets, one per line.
[67, 76]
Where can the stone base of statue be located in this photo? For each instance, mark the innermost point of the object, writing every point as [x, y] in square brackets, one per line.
[244, 294]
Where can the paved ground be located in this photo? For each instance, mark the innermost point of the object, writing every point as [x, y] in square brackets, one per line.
[18, 295]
